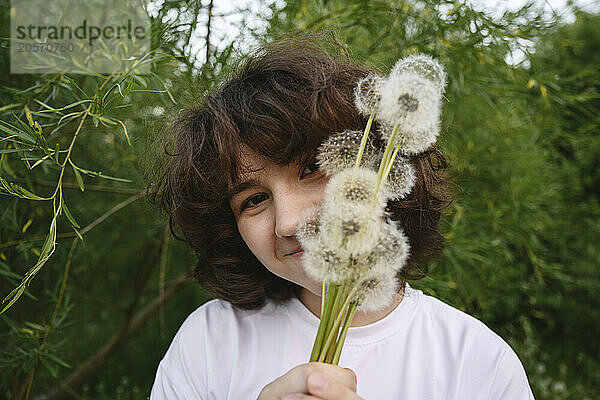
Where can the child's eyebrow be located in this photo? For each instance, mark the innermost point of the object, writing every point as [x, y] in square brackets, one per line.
[240, 187]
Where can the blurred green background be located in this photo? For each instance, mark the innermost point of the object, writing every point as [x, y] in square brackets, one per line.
[520, 127]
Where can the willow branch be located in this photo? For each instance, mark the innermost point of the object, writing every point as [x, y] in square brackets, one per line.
[83, 231]
[95, 188]
[110, 212]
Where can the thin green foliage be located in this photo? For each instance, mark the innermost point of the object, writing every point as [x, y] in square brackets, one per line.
[521, 138]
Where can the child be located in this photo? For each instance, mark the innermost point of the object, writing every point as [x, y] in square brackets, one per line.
[242, 174]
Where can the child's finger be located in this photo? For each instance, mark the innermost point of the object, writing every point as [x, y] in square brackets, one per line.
[345, 376]
[296, 381]
[300, 396]
[328, 388]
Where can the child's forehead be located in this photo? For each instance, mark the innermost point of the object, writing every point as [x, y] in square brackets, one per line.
[253, 166]
[250, 163]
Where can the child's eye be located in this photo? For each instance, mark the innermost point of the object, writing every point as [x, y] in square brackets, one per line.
[254, 201]
[312, 168]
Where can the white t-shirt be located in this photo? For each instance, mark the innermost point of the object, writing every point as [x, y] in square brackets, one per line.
[423, 350]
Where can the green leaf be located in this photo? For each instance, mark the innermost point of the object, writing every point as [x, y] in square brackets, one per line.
[26, 127]
[38, 162]
[100, 175]
[78, 234]
[47, 250]
[107, 120]
[49, 244]
[68, 214]
[128, 88]
[72, 82]
[109, 91]
[35, 326]
[13, 130]
[4, 151]
[57, 152]
[51, 109]
[113, 178]
[18, 191]
[78, 177]
[51, 368]
[29, 116]
[13, 296]
[57, 360]
[9, 106]
[70, 116]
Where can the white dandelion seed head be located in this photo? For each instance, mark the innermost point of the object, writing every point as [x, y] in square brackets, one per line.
[376, 292]
[325, 264]
[339, 151]
[401, 179]
[355, 189]
[366, 94]
[414, 104]
[353, 231]
[392, 249]
[409, 100]
[424, 66]
[414, 142]
[353, 210]
[308, 229]
[371, 159]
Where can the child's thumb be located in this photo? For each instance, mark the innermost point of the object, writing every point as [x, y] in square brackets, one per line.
[353, 375]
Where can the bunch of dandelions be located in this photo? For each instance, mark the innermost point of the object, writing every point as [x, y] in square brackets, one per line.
[350, 244]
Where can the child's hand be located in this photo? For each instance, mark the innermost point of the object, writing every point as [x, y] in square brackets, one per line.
[302, 382]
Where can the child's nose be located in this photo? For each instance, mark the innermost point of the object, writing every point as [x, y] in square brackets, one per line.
[286, 223]
[289, 211]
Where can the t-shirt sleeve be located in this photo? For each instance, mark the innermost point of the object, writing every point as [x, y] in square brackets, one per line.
[510, 381]
[164, 388]
[181, 374]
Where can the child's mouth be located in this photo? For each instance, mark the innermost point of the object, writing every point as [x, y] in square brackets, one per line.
[297, 253]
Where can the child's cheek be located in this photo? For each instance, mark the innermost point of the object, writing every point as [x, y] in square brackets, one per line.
[256, 233]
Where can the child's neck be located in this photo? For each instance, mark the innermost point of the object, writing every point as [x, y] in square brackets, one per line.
[313, 303]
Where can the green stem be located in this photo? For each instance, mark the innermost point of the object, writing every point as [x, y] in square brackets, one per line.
[340, 342]
[333, 333]
[363, 142]
[325, 314]
[330, 350]
[323, 295]
[388, 168]
[329, 315]
[332, 312]
[386, 155]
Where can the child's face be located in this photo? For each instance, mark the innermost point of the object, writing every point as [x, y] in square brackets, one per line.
[268, 206]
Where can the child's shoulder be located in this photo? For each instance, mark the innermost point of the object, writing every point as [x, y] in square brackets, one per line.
[197, 342]
[219, 317]
[450, 344]
[443, 312]
[458, 333]
[221, 309]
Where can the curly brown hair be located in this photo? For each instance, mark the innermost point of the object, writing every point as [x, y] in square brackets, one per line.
[285, 100]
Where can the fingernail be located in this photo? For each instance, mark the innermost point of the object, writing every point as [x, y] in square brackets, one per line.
[292, 397]
[353, 376]
[318, 382]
